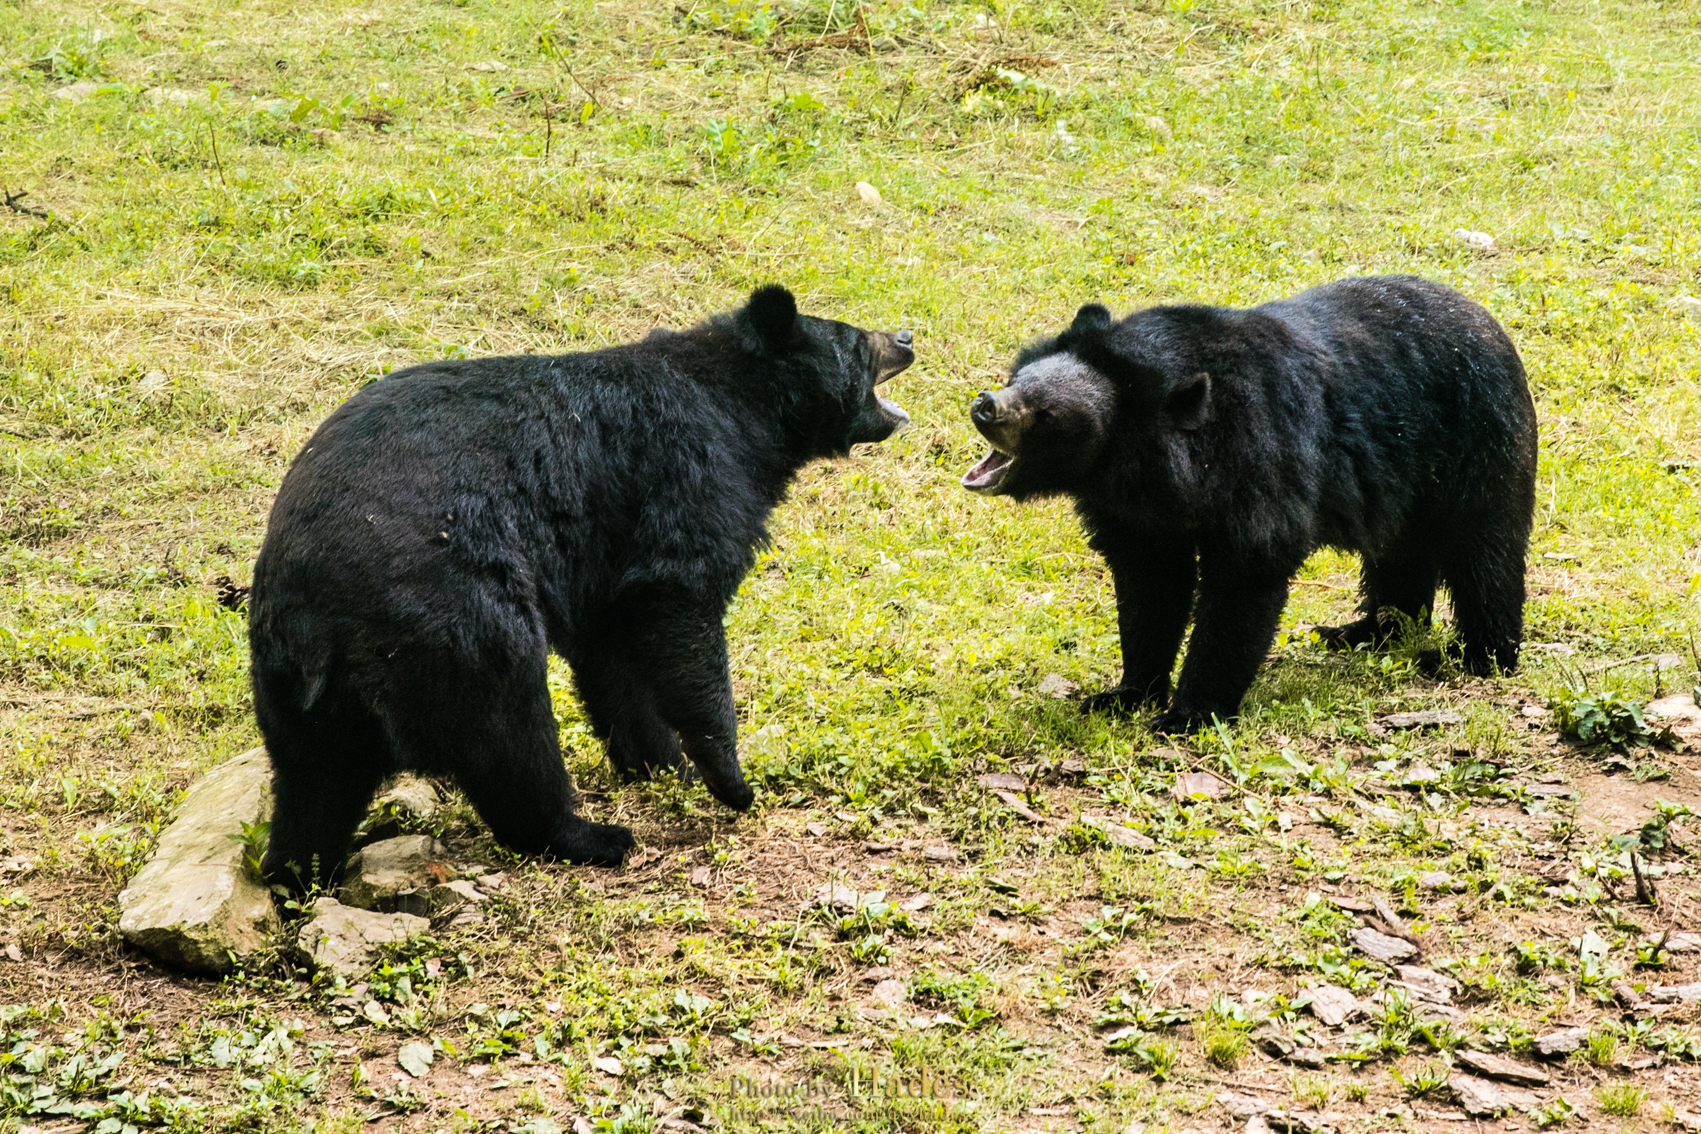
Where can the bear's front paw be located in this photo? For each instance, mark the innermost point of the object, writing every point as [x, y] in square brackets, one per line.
[1121, 701]
[594, 844]
[1178, 722]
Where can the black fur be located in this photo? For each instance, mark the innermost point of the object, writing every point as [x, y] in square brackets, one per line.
[1212, 450]
[452, 523]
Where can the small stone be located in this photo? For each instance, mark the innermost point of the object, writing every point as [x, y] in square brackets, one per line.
[1674, 993]
[393, 875]
[1500, 1067]
[1478, 1097]
[1120, 836]
[488, 66]
[1481, 241]
[1429, 718]
[1419, 775]
[1241, 1105]
[1678, 942]
[374, 1011]
[940, 853]
[1427, 984]
[1056, 685]
[412, 794]
[1196, 785]
[492, 882]
[76, 92]
[1687, 304]
[609, 1065]
[815, 830]
[869, 194]
[1157, 126]
[196, 901]
[840, 898]
[700, 876]
[1072, 769]
[1436, 881]
[889, 993]
[453, 895]
[346, 941]
[13, 953]
[1334, 1006]
[1002, 781]
[1555, 1044]
[916, 903]
[1677, 707]
[1381, 947]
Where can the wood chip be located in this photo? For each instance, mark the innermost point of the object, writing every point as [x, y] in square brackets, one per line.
[1014, 802]
[1382, 947]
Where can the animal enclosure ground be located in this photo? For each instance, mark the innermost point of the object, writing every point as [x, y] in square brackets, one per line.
[220, 220]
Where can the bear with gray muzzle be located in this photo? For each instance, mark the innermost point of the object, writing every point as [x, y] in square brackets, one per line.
[1211, 450]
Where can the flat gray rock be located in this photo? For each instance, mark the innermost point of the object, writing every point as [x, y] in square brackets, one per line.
[1499, 1067]
[393, 875]
[195, 902]
[1334, 1006]
[1555, 1044]
[1381, 947]
[1438, 881]
[412, 794]
[1674, 993]
[346, 941]
[1483, 1099]
[1426, 984]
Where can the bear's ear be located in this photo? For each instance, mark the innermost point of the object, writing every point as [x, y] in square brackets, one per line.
[1092, 317]
[1189, 404]
[770, 318]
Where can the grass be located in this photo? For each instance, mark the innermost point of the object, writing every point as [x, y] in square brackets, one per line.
[251, 211]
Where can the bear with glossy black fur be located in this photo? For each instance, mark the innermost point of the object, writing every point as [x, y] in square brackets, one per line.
[1211, 450]
[451, 524]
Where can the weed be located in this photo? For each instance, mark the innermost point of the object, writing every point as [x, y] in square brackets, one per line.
[1623, 1100]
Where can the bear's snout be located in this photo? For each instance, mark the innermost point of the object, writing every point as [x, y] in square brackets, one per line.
[984, 411]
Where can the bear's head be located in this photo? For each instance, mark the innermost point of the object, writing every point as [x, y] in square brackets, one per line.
[829, 371]
[1070, 398]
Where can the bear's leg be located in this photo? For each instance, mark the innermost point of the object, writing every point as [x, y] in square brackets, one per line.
[1486, 578]
[680, 645]
[492, 727]
[1406, 585]
[327, 762]
[1154, 581]
[622, 707]
[1233, 627]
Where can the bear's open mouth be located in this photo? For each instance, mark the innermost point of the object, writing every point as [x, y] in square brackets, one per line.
[984, 477]
[894, 413]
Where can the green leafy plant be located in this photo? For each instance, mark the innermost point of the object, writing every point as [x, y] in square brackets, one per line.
[1605, 718]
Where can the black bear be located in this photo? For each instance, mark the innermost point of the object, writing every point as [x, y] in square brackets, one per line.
[452, 523]
[1214, 449]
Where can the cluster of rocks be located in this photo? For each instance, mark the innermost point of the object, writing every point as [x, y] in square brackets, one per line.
[197, 904]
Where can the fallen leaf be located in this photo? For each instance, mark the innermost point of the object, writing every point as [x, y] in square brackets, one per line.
[415, 1058]
[608, 1065]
